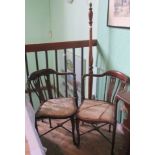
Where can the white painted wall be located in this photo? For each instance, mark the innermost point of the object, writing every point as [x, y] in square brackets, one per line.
[69, 21]
[37, 23]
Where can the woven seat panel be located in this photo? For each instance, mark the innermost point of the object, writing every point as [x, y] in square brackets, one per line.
[96, 111]
[62, 107]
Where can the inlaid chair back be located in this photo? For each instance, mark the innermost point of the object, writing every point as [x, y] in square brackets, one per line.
[103, 111]
[57, 96]
[112, 82]
[45, 84]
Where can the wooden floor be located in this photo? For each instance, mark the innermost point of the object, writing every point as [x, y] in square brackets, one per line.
[59, 142]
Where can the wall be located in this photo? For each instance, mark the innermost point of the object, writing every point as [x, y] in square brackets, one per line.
[37, 21]
[70, 21]
[37, 28]
[114, 44]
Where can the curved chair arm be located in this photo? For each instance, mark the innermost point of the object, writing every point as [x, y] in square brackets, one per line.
[112, 73]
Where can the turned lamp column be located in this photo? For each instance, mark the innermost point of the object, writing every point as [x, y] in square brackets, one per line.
[90, 80]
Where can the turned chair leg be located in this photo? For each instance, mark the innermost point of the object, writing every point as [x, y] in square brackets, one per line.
[113, 139]
[78, 131]
[73, 129]
[50, 122]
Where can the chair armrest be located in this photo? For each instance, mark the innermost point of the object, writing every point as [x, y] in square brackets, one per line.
[117, 74]
[66, 73]
[94, 75]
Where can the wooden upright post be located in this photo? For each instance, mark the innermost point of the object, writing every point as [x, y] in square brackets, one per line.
[90, 80]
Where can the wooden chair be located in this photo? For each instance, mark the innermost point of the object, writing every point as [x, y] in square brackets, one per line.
[102, 112]
[44, 83]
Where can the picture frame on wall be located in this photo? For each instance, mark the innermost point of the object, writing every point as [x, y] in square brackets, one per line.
[118, 13]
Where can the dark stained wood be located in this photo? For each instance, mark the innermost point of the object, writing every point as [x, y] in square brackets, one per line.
[118, 87]
[90, 81]
[58, 45]
[48, 85]
[65, 65]
[46, 55]
[27, 68]
[42, 88]
[73, 60]
[39, 84]
[56, 60]
[56, 67]
[36, 57]
[105, 88]
[114, 73]
[111, 88]
[49, 71]
[27, 72]
[81, 70]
